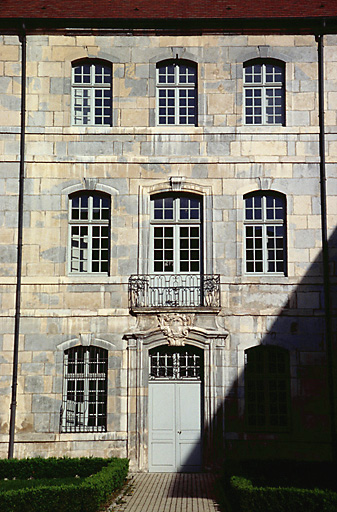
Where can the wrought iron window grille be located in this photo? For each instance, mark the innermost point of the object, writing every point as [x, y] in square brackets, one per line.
[84, 402]
[175, 364]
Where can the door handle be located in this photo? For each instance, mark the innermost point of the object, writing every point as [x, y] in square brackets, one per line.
[178, 431]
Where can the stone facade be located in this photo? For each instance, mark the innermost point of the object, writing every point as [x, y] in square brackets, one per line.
[221, 159]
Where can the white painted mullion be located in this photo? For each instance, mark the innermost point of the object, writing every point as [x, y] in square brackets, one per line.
[176, 248]
[176, 105]
[90, 224]
[86, 388]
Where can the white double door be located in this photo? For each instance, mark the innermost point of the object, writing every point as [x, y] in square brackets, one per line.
[175, 426]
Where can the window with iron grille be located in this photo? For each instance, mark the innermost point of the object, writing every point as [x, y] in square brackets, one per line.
[84, 404]
[176, 363]
[264, 93]
[176, 234]
[265, 233]
[91, 94]
[176, 93]
[267, 388]
[89, 226]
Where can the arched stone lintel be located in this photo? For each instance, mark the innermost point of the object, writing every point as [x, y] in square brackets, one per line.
[90, 184]
[76, 342]
[198, 337]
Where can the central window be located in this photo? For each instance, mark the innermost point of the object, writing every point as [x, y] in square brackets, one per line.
[264, 94]
[176, 93]
[176, 234]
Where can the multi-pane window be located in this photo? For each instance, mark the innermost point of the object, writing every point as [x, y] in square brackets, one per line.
[265, 233]
[267, 388]
[84, 404]
[176, 363]
[176, 93]
[176, 234]
[264, 93]
[89, 225]
[91, 94]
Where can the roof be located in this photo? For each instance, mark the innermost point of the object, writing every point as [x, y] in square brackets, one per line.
[167, 9]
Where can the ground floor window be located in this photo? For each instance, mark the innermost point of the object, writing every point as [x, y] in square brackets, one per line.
[267, 388]
[84, 404]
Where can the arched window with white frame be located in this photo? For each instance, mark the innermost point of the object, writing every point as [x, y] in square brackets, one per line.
[91, 93]
[264, 92]
[176, 233]
[265, 241]
[89, 232]
[176, 92]
[176, 264]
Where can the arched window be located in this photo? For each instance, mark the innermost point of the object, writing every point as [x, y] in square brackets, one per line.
[264, 92]
[84, 404]
[265, 232]
[176, 363]
[267, 388]
[89, 232]
[91, 93]
[176, 233]
[176, 93]
[176, 264]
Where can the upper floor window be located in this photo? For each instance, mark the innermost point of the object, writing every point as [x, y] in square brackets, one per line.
[265, 233]
[176, 93]
[89, 227]
[176, 234]
[91, 94]
[267, 388]
[84, 404]
[264, 93]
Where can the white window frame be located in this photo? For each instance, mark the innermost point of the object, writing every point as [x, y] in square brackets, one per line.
[90, 223]
[176, 87]
[176, 223]
[264, 87]
[75, 413]
[264, 223]
[90, 88]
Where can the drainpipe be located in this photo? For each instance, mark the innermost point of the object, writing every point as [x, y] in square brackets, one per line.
[22, 37]
[325, 246]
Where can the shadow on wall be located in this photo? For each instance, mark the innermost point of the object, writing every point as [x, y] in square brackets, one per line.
[278, 407]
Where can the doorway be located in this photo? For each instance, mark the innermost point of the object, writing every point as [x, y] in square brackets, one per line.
[175, 409]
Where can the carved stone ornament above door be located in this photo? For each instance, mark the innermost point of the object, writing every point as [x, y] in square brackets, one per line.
[175, 327]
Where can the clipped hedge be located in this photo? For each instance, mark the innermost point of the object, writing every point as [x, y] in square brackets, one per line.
[51, 467]
[87, 496]
[250, 498]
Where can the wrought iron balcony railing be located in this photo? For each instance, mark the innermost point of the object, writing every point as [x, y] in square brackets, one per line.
[174, 291]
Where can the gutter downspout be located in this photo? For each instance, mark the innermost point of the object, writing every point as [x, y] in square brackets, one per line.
[22, 38]
[325, 247]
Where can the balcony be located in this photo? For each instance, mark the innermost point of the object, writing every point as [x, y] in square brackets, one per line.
[174, 292]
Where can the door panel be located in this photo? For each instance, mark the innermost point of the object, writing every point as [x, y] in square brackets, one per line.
[162, 427]
[189, 424]
[175, 426]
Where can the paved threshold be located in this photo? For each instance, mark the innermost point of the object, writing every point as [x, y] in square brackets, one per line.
[168, 492]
